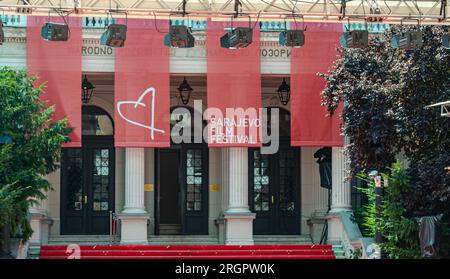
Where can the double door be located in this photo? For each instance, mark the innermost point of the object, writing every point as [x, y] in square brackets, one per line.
[182, 190]
[274, 191]
[87, 188]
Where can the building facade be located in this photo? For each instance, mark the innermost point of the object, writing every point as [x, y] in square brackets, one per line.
[230, 195]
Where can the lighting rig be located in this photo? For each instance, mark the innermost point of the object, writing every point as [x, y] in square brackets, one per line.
[57, 32]
[115, 34]
[355, 38]
[293, 38]
[179, 36]
[408, 40]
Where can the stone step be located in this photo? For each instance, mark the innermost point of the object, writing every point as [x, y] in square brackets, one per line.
[282, 239]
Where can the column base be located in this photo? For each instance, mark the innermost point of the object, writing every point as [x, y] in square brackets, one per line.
[239, 228]
[40, 224]
[133, 228]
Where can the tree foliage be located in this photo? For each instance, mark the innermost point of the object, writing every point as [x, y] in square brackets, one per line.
[399, 232]
[33, 152]
[385, 91]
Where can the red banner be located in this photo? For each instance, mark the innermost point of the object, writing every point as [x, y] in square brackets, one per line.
[310, 125]
[234, 89]
[142, 89]
[58, 65]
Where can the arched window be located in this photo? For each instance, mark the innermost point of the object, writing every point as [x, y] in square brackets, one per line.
[96, 122]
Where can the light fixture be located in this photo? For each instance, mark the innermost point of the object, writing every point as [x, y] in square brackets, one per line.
[179, 36]
[114, 36]
[284, 92]
[87, 90]
[355, 39]
[57, 32]
[293, 38]
[185, 91]
[408, 40]
[2, 34]
[239, 37]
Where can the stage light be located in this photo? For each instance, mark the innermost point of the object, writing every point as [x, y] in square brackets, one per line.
[55, 32]
[179, 36]
[239, 37]
[446, 41]
[408, 40]
[292, 38]
[114, 36]
[2, 34]
[355, 39]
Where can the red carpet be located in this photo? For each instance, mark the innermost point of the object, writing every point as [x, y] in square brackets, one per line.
[248, 252]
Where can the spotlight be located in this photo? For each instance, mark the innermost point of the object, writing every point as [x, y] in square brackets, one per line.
[179, 36]
[355, 39]
[446, 41]
[2, 35]
[239, 37]
[408, 40]
[114, 36]
[55, 32]
[292, 38]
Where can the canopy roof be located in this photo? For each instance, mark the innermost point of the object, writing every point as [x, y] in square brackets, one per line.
[390, 11]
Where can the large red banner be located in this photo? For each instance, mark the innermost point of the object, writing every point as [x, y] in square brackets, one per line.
[142, 89]
[58, 66]
[310, 125]
[234, 89]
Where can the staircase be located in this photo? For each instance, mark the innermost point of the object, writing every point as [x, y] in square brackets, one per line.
[246, 252]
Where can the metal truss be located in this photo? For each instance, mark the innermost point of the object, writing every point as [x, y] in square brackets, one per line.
[388, 11]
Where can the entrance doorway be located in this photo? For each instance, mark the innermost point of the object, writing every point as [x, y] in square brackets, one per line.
[274, 192]
[182, 190]
[182, 183]
[87, 177]
[274, 185]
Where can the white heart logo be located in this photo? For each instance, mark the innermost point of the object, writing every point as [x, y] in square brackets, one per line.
[137, 103]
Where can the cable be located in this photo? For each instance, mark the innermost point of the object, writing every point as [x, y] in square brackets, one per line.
[257, 20]
[272, 5]
[156, 26]
[387, 6]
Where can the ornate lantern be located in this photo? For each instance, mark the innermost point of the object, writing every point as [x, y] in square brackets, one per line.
[284, 92]
[185, 91]
[87, 90]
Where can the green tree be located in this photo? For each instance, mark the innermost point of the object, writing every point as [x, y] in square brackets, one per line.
[385, 91]
[399, 232]
[33, 151]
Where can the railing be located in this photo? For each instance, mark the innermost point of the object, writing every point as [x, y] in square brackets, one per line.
[352, 239]
[113, 221]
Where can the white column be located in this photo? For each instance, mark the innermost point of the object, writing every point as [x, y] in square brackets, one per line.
[38, 215]
[239, 219]
[134, 217]
[134, 181]
[340, 187]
